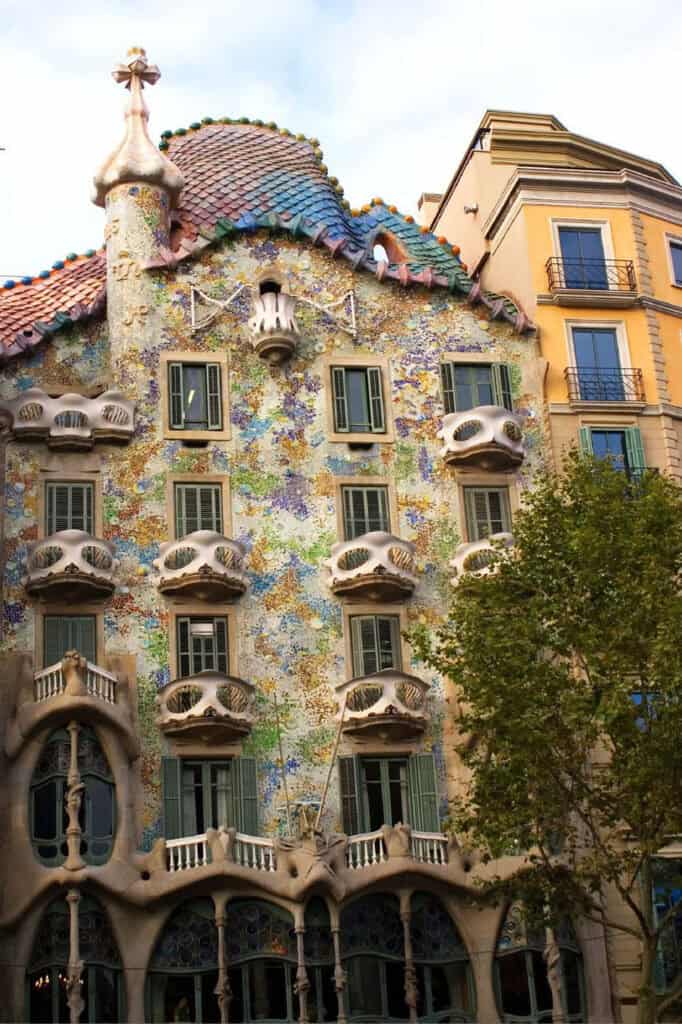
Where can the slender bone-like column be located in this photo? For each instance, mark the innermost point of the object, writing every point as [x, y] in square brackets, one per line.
[74, 799]
[222, 989]
[552, 955]
[74, 998]
[410, 972]
[339, 973]
[302, 979]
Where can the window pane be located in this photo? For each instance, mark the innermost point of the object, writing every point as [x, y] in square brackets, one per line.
[386, 635]
[374, 795]
[101, 807]
[676, 254]
[210, 1010]
[449, 987]
[194, 396]
[40, 1000]
[364, 986]
[395, 989]
[105, 992]
[192, 800]
[268, 990]
[610, 444]
[514, 988]
[364, 509]
[45, 811]
[543, 993]
[221, 795]
[571, 966]
[397, 784]
[357, 395]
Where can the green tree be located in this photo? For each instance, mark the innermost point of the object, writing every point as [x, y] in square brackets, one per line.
[568, 662]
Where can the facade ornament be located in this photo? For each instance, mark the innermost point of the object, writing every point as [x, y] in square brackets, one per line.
[74, 800]
[136, 316]
[340, 977]
[411, 990]
[302, 980]
[222, 991]
[137, 160]
[124, 266]
[74, 998]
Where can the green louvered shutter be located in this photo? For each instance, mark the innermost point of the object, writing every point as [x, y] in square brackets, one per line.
[63, 633]
[69, 507]
[585, 441]
[501, 385]
[634, 450]
[423, 793]
[340, 400]
[376, 400]
[171, 788]
[350, 805]
[447, 375]
[214, 404]
[52, 639]
[245, 787]
[176, 411]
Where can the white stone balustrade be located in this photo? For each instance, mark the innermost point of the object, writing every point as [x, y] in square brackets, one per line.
[429, 847]
[211, 706]
[255, 852]
[70, 421]
[187, 852]
[376, 565]
[71, 563]
[365, 850]
[488, 437]
[51, 682]
[273, 326]
[386, 704]
[204, 564]
[476, 558]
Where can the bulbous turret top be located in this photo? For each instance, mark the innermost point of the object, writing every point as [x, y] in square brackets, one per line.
[137, 159]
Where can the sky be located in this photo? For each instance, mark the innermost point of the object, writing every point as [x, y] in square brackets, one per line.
[393, 90]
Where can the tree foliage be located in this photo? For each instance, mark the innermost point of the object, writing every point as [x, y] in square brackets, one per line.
[568, 662]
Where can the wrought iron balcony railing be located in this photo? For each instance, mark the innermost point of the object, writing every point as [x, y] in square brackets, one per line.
[604, 384]
[593, 275]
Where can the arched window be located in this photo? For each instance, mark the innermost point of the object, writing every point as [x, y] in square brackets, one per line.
[184, 967]
[521, 980]
[444, 983]
[49, 787]
[261, 952]
[372, 950]
[388, 248]
[319, 959]
[101, 982]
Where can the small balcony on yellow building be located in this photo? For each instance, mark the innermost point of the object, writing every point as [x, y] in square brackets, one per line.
[376, 566]
[204, 565]
[596, 385]
[211, 707]
[70, 565]
[386, 705]
[591, 282]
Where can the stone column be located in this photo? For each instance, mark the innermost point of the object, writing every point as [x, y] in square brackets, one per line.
[302, 980]
[410, 971]
[339, 973]
[74, 998]
[222, 989]
[74, 799]
[552, 955]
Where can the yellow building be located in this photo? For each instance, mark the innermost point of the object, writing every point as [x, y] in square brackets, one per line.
[588, 240]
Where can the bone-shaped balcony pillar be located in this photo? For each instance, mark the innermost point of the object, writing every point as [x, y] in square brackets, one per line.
[488, 437]
[376, 565]
[204, 564]
[70, 563]
[386, 704]
[70, 421]
[210, 706]
[476, 558]
[273, 326]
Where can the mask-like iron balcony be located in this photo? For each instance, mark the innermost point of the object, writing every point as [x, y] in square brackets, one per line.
[70, 422]
[386, 705]
[273, 326]
[210, 706]
[204, 564]
[377, 566]
[70, 565]
[488, 437]
[477, 558]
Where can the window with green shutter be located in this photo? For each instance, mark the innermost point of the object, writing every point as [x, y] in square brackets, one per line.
[487, 511]
[195, 396]
[197, 507]
[202, 644]
[622, 446]
[468, 385]
[364, 509]
[62, 633]
[201, 794]
[375, 643]
[378, 791]
[69, 506]
[358, 400]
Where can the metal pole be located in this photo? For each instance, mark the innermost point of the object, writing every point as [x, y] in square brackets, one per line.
[281, 761]
[331, 764]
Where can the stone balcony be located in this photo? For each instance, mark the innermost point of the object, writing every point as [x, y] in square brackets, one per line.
[376, 566]
[70, 565]
[203, 565]
[70, 422]
[476, 558]
[488, 437]
[210, 707]
[387, 705]
[273, 326]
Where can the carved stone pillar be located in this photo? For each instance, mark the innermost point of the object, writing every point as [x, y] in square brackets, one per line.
[552, 955]
[74, 999]
[74, 799]
[302, 980]
[410, 971]
[339, 973]
[222, 989]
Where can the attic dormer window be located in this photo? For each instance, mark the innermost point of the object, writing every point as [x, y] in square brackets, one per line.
[388, 249]
[269, 286]
[380, 254]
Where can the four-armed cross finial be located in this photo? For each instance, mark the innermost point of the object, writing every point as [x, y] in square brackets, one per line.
[136, 67]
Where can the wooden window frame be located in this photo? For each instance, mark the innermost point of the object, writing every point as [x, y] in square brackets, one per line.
[220, 479]
[59, 609]
[487, 481]
[365, 481]
[203, 357]
[354, 610]
[488, 486]
[358, 362]
[200, 609]
[489, 362]
[67, 477]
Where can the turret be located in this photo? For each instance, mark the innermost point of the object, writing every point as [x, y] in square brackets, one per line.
[138, 186]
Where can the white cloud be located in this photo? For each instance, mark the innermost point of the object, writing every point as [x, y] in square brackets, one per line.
[392, 90]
